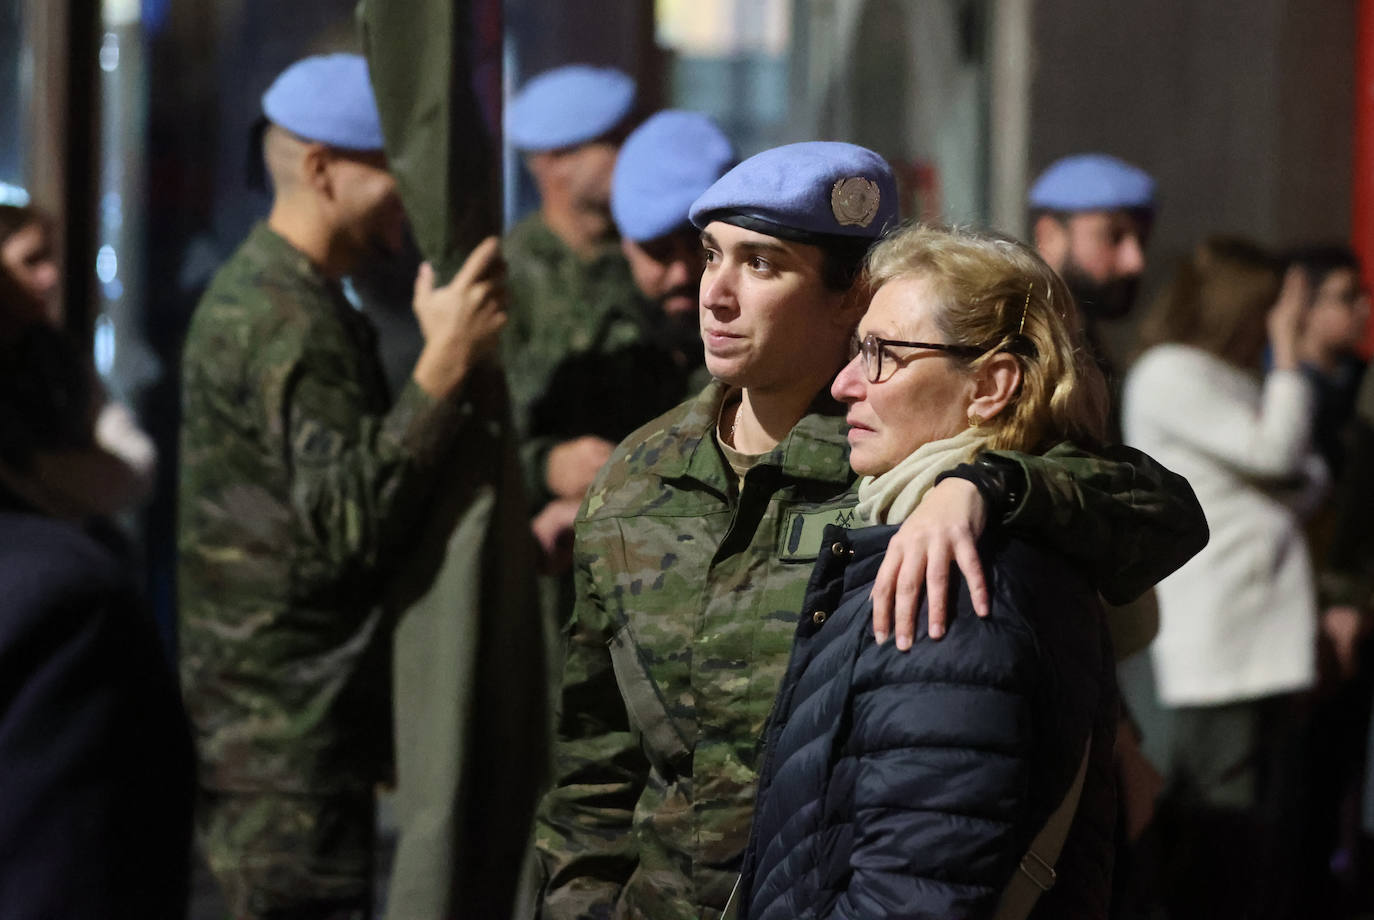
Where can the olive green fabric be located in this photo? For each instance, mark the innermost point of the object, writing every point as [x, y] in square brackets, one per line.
[439, 149]
[471, 687]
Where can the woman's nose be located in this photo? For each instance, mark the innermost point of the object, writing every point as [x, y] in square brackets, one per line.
[851, 383]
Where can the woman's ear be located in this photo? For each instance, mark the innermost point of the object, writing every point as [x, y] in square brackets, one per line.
[995, 385]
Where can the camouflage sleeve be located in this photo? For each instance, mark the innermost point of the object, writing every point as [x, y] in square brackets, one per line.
[584, 830]
[1121, 514]
[358, 480]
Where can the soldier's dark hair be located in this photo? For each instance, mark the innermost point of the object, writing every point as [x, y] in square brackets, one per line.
[843, 261]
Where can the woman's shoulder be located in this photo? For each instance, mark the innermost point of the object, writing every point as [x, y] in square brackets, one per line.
[1036, 595]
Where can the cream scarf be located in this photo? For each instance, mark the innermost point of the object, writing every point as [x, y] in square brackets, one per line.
[891, 497]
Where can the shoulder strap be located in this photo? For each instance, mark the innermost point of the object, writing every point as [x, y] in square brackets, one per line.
[664, 741]
[1036, 873]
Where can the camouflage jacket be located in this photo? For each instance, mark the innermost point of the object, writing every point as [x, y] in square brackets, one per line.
[688, 595]
[583, 351]
[299, 489]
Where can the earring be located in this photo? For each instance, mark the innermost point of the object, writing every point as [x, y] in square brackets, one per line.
[973, 420]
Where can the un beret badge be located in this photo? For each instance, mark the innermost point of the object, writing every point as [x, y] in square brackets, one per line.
[854, 201]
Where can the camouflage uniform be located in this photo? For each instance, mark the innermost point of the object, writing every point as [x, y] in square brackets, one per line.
[583, 351]
[299, 489]
[688, 592]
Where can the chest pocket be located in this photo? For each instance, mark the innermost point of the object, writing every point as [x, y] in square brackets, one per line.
[801, 530]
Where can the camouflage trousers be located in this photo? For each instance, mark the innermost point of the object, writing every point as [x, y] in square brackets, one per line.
[290, 857]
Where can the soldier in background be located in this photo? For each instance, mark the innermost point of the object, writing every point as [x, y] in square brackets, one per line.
[663, 166]
[570, 289]
[1091, 220]
[696, 541]
[300, 492]
[1091, 216]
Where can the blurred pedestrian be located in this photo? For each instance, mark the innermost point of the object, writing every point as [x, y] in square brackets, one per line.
[1328, 351]
[28, 254]
[303, 486]
[608, 392]
[1328, 347]
[571, 293]
[1238, 621]
[95, 802]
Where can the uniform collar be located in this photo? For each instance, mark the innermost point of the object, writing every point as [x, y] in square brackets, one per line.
[816, 448]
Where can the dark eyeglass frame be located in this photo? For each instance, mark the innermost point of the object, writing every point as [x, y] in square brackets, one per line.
[871, 348]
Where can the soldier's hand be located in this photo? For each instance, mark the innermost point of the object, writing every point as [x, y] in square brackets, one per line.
[461, 321]
[943, 529]
[572, 465]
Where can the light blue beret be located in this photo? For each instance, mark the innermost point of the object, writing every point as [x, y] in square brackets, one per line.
[817, 187]
[664, 165]
[567, 106]
[1092, 182]
[328, 99]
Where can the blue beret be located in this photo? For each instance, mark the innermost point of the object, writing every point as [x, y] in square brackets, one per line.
[567, 106]
[817, 187]
[1092, 182]
[327, 99]
[664, 165]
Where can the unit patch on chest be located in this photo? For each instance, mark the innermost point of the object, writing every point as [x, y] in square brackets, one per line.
[800, 540]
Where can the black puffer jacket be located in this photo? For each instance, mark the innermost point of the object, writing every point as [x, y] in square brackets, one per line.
[910, 784]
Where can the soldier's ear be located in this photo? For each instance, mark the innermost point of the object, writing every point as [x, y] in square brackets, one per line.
[316, 161]
[853, 305]
[1051, 239]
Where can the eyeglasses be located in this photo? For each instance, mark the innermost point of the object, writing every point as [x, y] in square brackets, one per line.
[873, 348]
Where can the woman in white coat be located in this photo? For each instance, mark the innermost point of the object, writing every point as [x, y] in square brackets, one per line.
[1238, 621]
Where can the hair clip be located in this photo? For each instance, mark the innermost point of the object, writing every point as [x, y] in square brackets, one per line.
[1020, 330]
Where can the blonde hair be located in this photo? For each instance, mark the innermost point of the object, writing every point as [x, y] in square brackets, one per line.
[997, 294]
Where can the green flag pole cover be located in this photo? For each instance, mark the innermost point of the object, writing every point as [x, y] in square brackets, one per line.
[436, 72]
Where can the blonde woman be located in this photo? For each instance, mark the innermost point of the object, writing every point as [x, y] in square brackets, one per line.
[914, 785]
